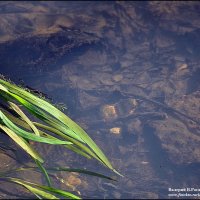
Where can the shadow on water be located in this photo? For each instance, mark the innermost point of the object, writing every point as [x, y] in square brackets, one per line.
[15, 195]
[12, 151]
[175, 174]
[41, 54]
[193, 82]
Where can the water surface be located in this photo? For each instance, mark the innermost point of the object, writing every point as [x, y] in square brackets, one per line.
[129, 73]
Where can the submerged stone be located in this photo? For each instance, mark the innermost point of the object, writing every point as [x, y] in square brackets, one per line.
[115, 130]
[6, 161]
[181, 145]
[43, 49]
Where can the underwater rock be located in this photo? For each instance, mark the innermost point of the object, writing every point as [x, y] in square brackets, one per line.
[181, 145]
[43, 50]
[6, 161]
[163, 41]
[126, 63]
[121, 109]
[116, 195]
[87, 101]
[152, 195]
[70, 180]
[115, 130]
[117, 77]
[73, 180]
[109, 112]
[188, 104]
[135, 126]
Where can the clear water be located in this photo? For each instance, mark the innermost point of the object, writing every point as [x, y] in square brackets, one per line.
[134, 87]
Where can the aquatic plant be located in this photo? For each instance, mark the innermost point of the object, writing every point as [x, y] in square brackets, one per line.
[52, 126]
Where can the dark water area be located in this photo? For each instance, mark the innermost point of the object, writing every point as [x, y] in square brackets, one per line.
[129, 74]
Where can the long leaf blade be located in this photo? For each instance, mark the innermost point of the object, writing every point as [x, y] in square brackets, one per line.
[16, 92]
[43, 170]
[29, 135]
[24, 117]
[22, 143]
[46, 188]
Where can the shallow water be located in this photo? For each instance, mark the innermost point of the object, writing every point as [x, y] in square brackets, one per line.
[128, 73]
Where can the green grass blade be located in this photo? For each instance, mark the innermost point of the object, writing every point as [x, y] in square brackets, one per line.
[77, 143]
[46, 117]
[16, 120]
[22, 143]
[54, 112]
[3, 88]
[24, 117]
[83, 171]
[43, 170]
[29, 135]
[59, 192]
[53, 130]
[77, 150]
[67, 169]
[37, 192]
[39, 197]
[26, 126]
[34, 190]
[46, 188]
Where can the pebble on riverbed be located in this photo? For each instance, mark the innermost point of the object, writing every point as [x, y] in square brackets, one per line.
[115, 130]
[117, 77]
[109, 112]
[73, 180]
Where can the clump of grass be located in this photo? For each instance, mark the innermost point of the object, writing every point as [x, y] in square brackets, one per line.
[64, 131]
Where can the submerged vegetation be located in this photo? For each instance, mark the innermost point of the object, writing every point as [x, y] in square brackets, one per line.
[52, 126]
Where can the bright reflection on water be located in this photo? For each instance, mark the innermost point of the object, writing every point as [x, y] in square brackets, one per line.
[129, 75]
